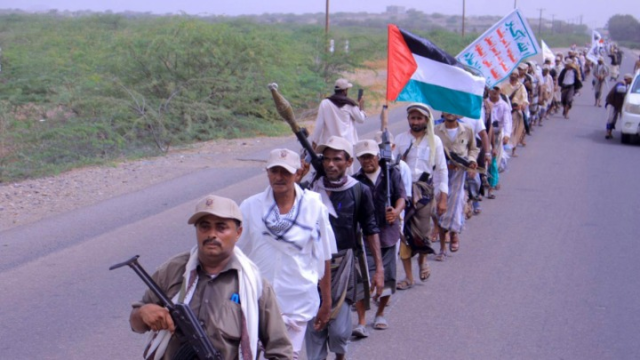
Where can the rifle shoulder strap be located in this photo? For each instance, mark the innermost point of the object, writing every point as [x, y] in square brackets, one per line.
[406, 152]
[514, 92]
[357, 193]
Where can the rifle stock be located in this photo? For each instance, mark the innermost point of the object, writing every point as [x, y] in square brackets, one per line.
[384, 118]
[187, 324]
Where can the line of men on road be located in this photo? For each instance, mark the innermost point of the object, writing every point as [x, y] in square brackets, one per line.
[285, 268]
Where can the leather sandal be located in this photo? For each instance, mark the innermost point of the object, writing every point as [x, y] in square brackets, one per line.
[404, 285]
[454, 245]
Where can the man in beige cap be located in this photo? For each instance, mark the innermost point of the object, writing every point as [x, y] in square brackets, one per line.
[236, 306]
[457, 139]
[337, 116]
[516, 92]
[388, 208]
[423, 152]
[350, 205]
[287, 234]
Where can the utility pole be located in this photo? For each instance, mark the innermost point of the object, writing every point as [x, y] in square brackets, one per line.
[463, 10]
[326, 40]
[553, 23]
[515, 4]
[326, 21]
[540, 22]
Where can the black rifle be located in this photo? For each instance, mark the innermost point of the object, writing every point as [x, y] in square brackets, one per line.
[188, 326]
[385, 159]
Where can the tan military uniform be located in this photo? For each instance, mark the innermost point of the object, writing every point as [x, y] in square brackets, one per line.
[464, 144]
[213, 304]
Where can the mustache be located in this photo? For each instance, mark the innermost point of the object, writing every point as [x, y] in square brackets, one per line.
[207, 241]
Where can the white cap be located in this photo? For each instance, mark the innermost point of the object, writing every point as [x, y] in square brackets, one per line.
[336, 143]
[286, 158]
[343, 84]
[366, 147]
[421, 108]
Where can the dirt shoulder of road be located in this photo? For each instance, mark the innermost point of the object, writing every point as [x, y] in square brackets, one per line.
[29, 201]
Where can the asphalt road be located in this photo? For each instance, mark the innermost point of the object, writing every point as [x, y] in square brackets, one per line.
[549, 270]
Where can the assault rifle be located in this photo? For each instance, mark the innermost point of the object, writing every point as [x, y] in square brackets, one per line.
[188, 326]
[286, 112]
[385, 154]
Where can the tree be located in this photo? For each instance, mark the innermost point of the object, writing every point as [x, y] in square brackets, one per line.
[624, 28]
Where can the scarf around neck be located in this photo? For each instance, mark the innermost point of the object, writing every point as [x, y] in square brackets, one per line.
[331, 185]
[341, 100]
[321, 188]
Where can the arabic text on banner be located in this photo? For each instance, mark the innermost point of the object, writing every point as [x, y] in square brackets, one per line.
[500, 49]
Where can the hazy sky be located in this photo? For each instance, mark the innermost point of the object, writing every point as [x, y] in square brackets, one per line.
[595, 12]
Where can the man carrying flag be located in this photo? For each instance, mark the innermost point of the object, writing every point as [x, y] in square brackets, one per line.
[420, 72]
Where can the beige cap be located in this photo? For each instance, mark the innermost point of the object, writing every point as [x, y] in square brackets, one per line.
[218, 206]
[286, 158]
[343, 84]
[523, 66]
[628, 76]
[421, 108]
[336, 143]
[363, 147]
[378, 137]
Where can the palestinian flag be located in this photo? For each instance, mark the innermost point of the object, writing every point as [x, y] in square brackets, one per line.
[419, 71]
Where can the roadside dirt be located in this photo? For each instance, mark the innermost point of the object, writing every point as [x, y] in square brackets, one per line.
[28, 201]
